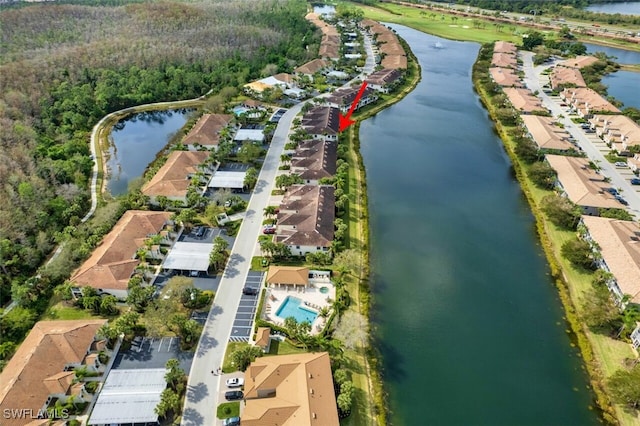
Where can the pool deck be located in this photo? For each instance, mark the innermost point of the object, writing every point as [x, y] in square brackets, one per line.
[311, 298]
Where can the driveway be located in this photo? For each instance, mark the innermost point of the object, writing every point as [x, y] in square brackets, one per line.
[589, 143]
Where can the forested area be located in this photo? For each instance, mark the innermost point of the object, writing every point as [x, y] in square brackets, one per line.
[64, 66]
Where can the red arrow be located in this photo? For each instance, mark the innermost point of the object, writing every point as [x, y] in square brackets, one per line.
[346, 121]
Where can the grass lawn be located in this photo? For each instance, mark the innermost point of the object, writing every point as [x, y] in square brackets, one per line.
[256, 264]
[283, 348]
[451, 27]
[60, 311]
[226, 364]
[228, 409]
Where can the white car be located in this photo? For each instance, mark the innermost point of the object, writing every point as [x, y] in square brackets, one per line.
[621, 164]
[235, 382]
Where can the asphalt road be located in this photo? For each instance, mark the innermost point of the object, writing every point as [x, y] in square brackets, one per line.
[591, 145]
[202, 388]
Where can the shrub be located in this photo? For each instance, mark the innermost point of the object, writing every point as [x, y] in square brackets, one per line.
[542, 175]
[579, 253]
[561, 212]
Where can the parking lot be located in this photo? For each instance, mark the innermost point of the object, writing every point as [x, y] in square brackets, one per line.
[241, 330]
[153, 353]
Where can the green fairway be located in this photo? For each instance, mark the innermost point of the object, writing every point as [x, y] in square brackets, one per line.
[442, 24]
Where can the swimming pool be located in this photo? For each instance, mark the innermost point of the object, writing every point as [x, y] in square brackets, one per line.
[239, 110]
[292, 307]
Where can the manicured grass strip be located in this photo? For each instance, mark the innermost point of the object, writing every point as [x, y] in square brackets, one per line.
[228, 409]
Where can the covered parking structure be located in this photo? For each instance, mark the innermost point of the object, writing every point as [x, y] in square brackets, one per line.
[227, 179]
[129, 397]
[188, 257]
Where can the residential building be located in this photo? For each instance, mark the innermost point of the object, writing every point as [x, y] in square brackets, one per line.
[524, 101]
[634, 163]
[502, 46]
[263, 338]
[314, 160]
[206, 132]
[546, 134]
[582, 184]
[587, 102]
[384, 80]
[322, 122]
[343, 98]
[306, 219]
[561, 77]
[41, 372]
[505, 77]
[578, 62]
[618, 131]
[635, 336]
[315, 66]
[293, 276]
[290, 390]
[173, 179]
[392, 54]
[114, 260]
[504, 60]
[618, 242]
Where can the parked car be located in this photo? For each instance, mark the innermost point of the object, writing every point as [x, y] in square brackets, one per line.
[200, 231]
[231, 421]
[249, 291]
[622, 200]
[235, 382]
[612, 191]
[233, 395]
[620, 164]
[635, 181]
[269, 231]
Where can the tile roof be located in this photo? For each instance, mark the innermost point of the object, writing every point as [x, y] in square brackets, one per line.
[619, 243]
[563, 76]
[172, 178]
[582, 184]
[505, 77]
[312, 67]
[345, 96]
[394, 61]
[523, 100]
[290, 390]
[545, 133]
[315, 159]
[579, 62]
[586, 97]
[504, 60]
[384, 76]
[294, 275]
[263, 335]
[306, 217]
[619, 128]
[321, 119]
[112, 263]
[37, 368]
[505, 47]
[206, 131]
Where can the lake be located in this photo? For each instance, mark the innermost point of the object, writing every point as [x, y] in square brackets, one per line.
[625, 8]
[135, 142]
[465, 315]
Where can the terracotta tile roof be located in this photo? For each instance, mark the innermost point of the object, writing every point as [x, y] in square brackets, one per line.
[619, 128]
[582, 184]
[112, 263]
[206, 131]
[619, 243]
[290, 390]
[38, 364]
[263, 335]
[563, 76]
[523, 100]
[504, 60]
[545, 133]
[321, 119]
[345, 96]
[505, 77]
[306, 217]
[394, 61]
[315, 159]
[505, 47]
[584, 97]
[579, 62]
[172, 178]
[294, 275]
[312, 67]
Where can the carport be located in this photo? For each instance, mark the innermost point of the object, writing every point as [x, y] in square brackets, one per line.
[191, 257]
[226, 179]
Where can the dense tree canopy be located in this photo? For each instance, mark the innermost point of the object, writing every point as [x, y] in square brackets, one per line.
[64, 66]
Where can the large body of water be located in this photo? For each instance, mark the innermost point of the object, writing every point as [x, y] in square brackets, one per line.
[625, 8]
[135, 142]
[467, 320]
[622, 85]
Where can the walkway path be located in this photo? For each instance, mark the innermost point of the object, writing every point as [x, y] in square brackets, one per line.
[202, 388]
[591, 145]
